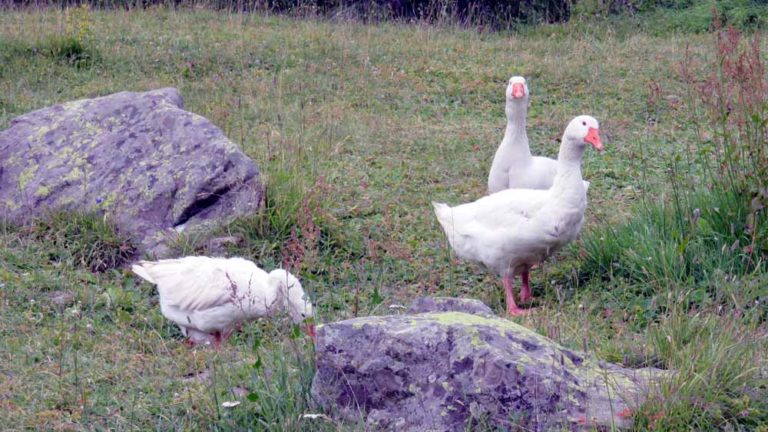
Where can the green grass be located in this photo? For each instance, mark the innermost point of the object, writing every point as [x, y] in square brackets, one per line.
[700, 17]
[686, 244]
[357, 128]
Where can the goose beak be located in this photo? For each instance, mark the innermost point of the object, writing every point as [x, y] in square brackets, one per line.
[518, 91]
[593, 137]
[309, 329]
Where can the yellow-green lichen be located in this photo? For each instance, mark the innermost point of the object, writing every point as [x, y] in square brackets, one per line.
[93, 128]
[42, 191]
[11, 204]
[27, 175]
[76, 105]
[65, 153]
[109, 200]
[462, 318]
[75, 174]
[358, 323]
[40, 133]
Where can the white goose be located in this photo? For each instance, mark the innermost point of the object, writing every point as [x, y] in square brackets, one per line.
[513, 166]
[512, 230]
[209, 297]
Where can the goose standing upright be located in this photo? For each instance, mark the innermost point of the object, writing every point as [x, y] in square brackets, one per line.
[513, 166]
[512, 230]
[208, 297]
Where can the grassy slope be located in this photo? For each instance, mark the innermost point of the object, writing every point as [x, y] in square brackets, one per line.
[371, 122]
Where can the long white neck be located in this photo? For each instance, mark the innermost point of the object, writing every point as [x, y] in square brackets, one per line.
[568, 181]
[515, 136]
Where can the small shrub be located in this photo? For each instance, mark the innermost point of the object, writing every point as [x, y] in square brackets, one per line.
[68, 50]
[74, 46]
[728, 111]
[85, 239]
[704, 16]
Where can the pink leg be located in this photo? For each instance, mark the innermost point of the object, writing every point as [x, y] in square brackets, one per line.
[525, 292]
[512, 308]
[227, 333]
[217, 340]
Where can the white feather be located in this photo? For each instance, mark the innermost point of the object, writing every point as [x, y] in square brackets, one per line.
[204, 295]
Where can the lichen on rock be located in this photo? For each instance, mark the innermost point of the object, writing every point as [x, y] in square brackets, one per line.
[448, 370]
[138, 157]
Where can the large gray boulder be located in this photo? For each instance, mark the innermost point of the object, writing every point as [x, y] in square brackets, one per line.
[139, 158]
[444, 371]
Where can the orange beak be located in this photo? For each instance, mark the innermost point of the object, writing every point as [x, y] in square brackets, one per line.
[518, 90]
[309, 329]
[593, 137]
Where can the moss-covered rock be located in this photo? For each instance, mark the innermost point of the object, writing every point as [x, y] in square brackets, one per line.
[137, 157]
[444, 304]
[447, 370]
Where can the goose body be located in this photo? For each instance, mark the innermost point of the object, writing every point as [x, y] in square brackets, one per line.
[513, 166]
[209, 297]
[511, 230]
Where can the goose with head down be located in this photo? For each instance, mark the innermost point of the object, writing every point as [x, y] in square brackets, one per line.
[209, 297]
[513, 166]
[512, 230]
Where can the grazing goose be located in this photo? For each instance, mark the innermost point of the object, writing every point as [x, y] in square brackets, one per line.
[512, 230]
[513, 165]
[209, 297]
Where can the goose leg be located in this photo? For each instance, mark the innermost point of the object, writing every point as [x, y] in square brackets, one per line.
[525, 292]
[217, 340]
[227, 333]
[512, 309]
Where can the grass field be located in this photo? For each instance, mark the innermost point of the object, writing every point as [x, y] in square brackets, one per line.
[357, 128]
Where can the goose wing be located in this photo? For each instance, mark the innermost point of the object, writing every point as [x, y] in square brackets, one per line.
[192, 283]
[508, 208]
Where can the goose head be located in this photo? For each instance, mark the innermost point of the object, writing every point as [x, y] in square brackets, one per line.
[517, 90]
[296, 302]
[583, 130]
